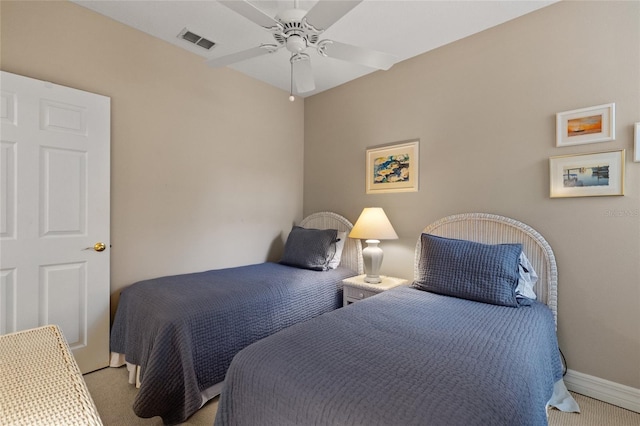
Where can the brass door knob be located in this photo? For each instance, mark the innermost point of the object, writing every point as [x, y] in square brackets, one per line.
[99, 246]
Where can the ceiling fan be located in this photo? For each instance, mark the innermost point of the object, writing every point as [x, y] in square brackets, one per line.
[298, 30]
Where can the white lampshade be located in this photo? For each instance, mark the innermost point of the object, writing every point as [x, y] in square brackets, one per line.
[373, 225]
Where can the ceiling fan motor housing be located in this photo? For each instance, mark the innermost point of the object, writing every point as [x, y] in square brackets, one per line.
[296, 35]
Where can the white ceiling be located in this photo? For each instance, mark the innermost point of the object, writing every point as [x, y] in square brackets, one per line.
[402, 28]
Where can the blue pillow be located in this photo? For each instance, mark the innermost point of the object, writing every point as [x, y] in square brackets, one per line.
[310, 248]
[469, 270]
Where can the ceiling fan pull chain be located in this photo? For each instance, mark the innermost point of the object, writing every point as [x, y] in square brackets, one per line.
[291, 97]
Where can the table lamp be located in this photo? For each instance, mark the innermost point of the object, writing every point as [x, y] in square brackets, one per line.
[373, 226]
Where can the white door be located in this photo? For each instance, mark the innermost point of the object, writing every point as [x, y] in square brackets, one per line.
[54, 204]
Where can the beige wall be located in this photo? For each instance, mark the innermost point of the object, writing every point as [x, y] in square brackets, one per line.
[484, 111]
[204, 173]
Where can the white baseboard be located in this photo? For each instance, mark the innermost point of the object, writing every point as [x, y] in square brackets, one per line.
[603, 390]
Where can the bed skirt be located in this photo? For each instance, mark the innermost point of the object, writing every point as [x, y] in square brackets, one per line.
[117, 360]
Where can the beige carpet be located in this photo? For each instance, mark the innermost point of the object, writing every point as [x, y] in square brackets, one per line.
[594, 413]
[114, 397]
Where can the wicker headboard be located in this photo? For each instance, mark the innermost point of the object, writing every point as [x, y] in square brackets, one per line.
[494, 229]
[352, 251]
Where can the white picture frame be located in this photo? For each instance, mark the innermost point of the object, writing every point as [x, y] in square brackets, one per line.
[586, 125]
[587, 175]
[393, 168]
[636, 143]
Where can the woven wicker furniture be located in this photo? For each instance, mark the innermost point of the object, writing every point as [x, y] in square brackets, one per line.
[40, 382]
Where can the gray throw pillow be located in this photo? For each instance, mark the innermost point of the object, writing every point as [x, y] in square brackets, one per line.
[310, 248]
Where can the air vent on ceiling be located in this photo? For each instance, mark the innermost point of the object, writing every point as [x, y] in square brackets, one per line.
[196, 39]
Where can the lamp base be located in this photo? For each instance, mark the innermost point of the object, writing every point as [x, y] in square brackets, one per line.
[372, 279]
[372, 258]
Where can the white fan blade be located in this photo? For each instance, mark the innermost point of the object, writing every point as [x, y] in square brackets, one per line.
[303, 76]
[326, 12]
[241, 56]
[252, 13]
[359, 55]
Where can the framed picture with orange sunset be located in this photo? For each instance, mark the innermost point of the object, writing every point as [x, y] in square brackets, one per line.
[586, 125]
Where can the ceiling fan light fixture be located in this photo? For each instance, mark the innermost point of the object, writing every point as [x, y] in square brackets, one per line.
[296, 43]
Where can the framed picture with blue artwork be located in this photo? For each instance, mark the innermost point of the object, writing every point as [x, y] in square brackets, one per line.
[393, 168]
[587, 175]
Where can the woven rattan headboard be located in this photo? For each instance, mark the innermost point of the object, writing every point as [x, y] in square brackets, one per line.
[494, 229]
[352, 251]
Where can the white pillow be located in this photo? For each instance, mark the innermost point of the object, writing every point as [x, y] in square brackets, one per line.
[335, 261]
[527, 278]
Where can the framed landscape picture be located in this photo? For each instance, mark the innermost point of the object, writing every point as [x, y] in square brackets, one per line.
[587, 175]
[393, 168]
[586, 125]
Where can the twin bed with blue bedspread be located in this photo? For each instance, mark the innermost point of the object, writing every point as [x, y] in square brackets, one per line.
[471, 342]
[178, 334]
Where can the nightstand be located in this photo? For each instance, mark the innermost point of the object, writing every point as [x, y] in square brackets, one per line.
[355, 288]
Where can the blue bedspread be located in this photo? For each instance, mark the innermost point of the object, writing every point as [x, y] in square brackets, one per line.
[403, 357]
[184, 330]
